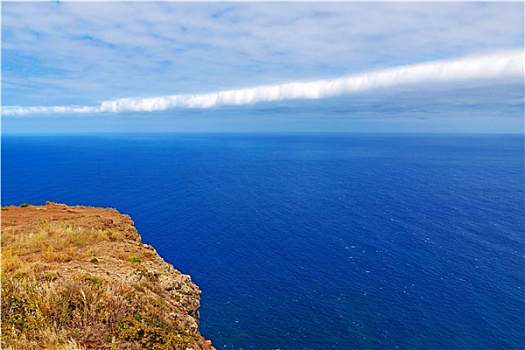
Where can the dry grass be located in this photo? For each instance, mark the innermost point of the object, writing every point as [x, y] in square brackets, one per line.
[54, 236]
[56, 294]
[87, 311]
[59, 241]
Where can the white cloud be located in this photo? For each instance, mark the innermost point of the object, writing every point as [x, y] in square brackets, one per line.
[486, 68]
[12, 111]
[74, 53]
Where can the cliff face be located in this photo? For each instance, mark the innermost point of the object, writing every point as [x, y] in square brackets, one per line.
[79, 277]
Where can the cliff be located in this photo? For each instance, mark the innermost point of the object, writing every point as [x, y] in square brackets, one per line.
[80, 278]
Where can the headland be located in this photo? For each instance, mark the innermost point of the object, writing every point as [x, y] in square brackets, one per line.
[76, 277]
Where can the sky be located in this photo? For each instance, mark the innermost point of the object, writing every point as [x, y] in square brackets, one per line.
[415, 67]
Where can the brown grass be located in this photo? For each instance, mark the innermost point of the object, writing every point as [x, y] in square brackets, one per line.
[67, 286]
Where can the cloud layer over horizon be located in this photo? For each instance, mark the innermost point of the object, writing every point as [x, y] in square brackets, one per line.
[492, 67]
[236, 66]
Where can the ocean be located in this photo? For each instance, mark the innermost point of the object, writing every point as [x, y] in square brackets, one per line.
[313, 241]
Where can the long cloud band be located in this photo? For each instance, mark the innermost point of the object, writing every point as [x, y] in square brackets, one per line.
[502, 65]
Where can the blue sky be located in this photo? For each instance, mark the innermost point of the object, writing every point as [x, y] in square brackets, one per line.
[80, 67]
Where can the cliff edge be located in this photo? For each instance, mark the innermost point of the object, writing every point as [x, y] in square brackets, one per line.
[80, 278]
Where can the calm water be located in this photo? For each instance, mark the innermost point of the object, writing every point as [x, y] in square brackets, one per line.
[313, 241]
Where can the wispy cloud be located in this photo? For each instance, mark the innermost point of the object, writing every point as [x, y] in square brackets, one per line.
[485, 68]
[78, 53]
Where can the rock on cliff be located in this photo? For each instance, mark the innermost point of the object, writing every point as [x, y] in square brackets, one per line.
[80, 278]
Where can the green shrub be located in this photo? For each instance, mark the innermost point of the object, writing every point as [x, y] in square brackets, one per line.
[135, 259]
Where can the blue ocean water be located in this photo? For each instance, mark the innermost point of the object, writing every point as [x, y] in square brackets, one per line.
[313, 241]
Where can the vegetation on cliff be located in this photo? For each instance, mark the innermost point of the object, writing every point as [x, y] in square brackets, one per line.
[80, 278]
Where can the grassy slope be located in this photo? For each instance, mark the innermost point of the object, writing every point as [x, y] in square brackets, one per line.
[76, 277]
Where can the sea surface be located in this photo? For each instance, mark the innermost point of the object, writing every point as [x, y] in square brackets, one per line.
[313, 241]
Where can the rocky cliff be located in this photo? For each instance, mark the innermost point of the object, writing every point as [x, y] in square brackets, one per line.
[80, 278]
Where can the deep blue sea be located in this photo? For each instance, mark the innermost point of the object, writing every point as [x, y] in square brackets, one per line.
[313, 241]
